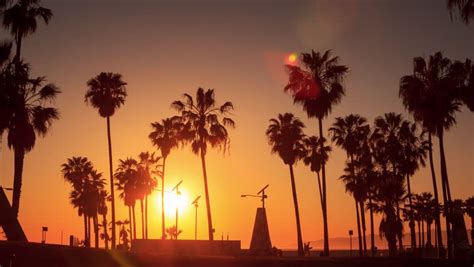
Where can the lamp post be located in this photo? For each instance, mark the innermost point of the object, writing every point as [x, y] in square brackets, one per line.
[260, 194]
[195, 202]
[176, 187]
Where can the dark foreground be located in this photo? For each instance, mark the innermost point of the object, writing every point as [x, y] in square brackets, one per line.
[28, 254]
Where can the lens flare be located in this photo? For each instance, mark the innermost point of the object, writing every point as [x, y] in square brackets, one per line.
[292, 58]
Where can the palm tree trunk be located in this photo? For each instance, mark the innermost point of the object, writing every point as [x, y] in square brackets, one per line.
[208, 204]
[320, 191]
[325, 215]
[419, 234]
[372, 234]
[412, 222]
[297, 213]
[85, 230]
[359, 232]
[134, 223]
[106, 235]
[399, 234]
[146, 216]
[446, 193]
[17, 179]
[96, 230]
[112, 196]
[143, 220]
[89, 231]
[163, 233]
[18, 48]
[423, 232]
[439, 238]
[428, 235]
[362, 215]
[130, 224]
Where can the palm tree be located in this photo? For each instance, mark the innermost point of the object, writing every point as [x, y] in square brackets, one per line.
[107, 93]
[315, 157]
[173, 233]
[147, 162]
[76, 171]
[286, 138]
[469, 210]
[165, 136]
[350, 133]
[22, 20]
[28, 116]
[464, 8]
[414, 148]
[203, 126]
[5, 51]
[431, 94]
[318, 89]
[388, 155]
[102, 210]
[126, 175]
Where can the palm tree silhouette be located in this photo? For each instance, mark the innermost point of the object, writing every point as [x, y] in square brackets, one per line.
[147, 162]
[102, 210]
[349, 133]
[76, 171]
[432, 96]
[464, 8]
[28, 116]
[469, 210]
[414, 149]
[126, 175]
[315, 157]
[22, 20]
[107, 93]
[203, 126]
[87, 194]
[286, 138]
[318, 89]
[165, 136]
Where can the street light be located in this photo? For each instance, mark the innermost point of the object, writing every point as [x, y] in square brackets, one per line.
[260, 194]
[195, 202]
[176, 187]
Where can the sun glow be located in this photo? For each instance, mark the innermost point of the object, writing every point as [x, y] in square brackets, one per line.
[173, 201]
[291, 59]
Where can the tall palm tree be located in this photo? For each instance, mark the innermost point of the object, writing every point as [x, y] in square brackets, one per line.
[76, 171]
[318, 89]
[350, 133]
[431, 94]
[286, 138]
[126, 175]
[388, 155]
[22, 20]
[414, 148]
[29, 116]
[355, 186]
[315, 157]
[205, 123]
[146, 164]
[165, 136]
[107, 93]
[464, 8]
[469, 210]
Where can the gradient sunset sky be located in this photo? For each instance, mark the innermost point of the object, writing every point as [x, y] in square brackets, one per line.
[166, 48]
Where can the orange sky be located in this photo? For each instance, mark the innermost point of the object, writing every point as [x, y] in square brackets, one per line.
[238, 48]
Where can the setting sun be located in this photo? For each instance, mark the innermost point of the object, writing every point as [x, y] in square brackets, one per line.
[173, 201]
